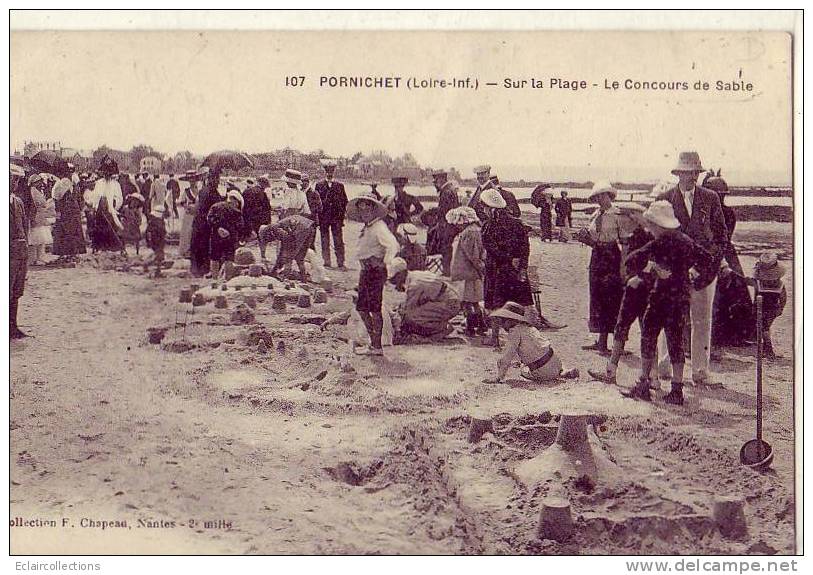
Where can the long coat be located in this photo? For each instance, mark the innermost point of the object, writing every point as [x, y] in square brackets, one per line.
[504, 239]
[201, 230]
[468, 261]
[256, 208]
[334, 201]
[69, 239]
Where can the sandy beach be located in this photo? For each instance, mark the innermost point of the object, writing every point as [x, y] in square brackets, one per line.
[216, 446]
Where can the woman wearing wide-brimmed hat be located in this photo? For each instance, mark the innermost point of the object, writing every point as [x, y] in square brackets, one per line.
[468, 266]
[603, 234]
[376, 249]
[507, 247]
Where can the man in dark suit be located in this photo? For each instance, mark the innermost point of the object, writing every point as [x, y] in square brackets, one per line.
[701, 218]
[331, 221]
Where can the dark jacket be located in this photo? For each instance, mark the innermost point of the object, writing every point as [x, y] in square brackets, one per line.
[334, 201]
[407, 206]
[563, 207]
[511, 204]
[314, 204]
[256, 207]
[674, 253]
[706, 226]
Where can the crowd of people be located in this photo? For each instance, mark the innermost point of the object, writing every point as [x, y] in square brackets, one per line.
[666, 261]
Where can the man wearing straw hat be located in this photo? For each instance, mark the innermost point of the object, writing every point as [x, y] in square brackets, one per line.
[376, 249]
[671, 256]
[701, 218]
[331, 222]
[483, 174]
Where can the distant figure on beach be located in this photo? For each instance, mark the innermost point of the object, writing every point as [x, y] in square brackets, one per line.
[543, 199]
[564, 211]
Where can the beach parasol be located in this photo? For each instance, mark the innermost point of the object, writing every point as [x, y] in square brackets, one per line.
[538, 194]
[50, 162]
[227, 160]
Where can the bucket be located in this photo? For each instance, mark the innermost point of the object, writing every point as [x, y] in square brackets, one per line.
[756, 454]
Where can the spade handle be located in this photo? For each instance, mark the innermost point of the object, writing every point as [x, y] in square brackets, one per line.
[759, 368]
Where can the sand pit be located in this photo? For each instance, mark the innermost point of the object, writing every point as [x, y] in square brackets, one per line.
[315, 450]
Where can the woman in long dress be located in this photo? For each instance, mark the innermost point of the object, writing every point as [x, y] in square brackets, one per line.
[507, 248]
[201, 229]
[69, 239]
[189, 201]
[107, 196]
[732, 311]
[606, 286]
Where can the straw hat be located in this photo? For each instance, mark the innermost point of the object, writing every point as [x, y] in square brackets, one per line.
[492, 198]
[688, 162]
[353, 210]
[462, 216]
[62, 187]
[236, 195]
[662, 213]
[397, 265]
[768, 267]
[408, 229]
[328, 163]
[439, 172]
[629, 207]
[482, 169]
[511, 310]
[399, 180]
[292, 177]
[602, 187]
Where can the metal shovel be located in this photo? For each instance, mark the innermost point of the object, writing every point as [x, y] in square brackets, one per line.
[756, 453]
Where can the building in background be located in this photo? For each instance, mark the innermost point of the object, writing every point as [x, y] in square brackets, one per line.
[150, 164]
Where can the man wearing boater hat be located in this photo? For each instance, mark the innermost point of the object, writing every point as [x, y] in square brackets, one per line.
[701, 218]
[331, 222]
[483, 173]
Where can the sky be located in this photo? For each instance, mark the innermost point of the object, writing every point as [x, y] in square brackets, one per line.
[203, 91]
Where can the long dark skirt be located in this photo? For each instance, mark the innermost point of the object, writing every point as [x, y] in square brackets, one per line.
[545, 224]
[606, 287]
[733, 313]
[502, 284]
[199, 246]
[105, 237]
[69, 239]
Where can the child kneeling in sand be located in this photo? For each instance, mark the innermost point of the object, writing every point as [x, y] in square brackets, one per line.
[527, 342]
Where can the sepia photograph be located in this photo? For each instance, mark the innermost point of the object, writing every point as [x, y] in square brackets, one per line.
[445, 291]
